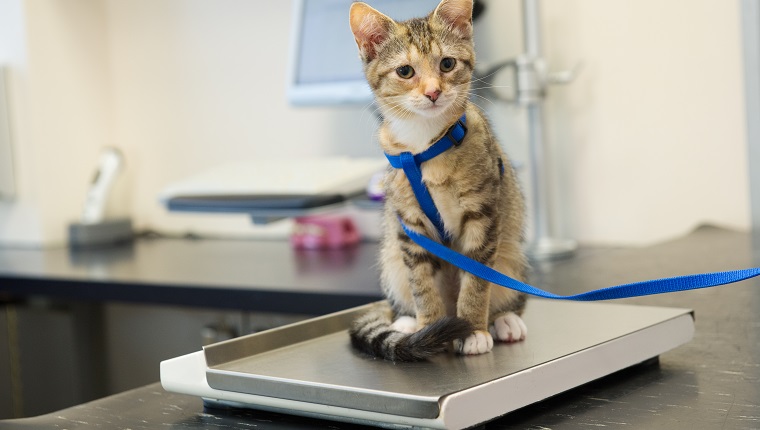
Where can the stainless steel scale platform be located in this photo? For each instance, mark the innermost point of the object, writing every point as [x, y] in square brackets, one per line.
[309, 368]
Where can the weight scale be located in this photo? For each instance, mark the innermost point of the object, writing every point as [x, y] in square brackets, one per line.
[310, 369]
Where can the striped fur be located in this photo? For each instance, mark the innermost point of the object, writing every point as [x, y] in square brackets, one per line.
[473, 186]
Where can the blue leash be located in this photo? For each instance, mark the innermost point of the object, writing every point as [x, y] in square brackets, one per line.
[636, 289]
[454, 136]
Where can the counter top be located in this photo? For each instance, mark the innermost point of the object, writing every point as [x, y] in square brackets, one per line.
[711, 382]
[248, 275]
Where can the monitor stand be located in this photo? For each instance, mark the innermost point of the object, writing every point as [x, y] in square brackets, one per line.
[309, 368]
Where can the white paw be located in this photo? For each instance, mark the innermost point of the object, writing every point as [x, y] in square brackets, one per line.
[509, 328]
[405, 324]
[479, 342]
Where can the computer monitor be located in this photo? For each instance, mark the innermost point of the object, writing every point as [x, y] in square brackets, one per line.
[325, 68]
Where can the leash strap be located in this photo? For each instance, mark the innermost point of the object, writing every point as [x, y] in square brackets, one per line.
[636, 289]
[414, 175]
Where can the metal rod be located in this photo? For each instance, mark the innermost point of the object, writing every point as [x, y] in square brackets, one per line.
[544, 245]
[750, 14]
[538, 188]
[531, 28]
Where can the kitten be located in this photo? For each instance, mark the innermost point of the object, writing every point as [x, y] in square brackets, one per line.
[420, 71]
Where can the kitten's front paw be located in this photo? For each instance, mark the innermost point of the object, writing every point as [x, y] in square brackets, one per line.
[509, 328]
[479, 342]
[405, 324]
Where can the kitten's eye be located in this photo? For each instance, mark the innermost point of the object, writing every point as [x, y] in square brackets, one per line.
[447, 64]
[405, 72]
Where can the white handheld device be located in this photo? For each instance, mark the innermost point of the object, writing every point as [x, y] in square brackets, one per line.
[109, 166]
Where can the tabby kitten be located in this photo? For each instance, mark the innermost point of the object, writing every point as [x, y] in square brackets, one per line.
[420, 71]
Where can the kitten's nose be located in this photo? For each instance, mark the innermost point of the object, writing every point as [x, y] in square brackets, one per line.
[433, 94]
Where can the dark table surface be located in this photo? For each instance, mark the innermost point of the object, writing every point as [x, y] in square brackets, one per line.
[249, 275]
[711, 382]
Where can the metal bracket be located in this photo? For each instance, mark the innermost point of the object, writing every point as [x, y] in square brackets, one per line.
[531, 79]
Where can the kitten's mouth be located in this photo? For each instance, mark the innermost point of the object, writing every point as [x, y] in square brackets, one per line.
[428, 108]
[434, 108]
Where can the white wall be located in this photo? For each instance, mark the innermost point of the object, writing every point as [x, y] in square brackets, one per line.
[198, 83]
[653, 131]
[647, 143]
[58, 84]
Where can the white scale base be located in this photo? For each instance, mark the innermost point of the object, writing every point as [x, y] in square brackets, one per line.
[310, 369]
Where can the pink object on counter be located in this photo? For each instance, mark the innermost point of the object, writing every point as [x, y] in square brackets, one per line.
[324, 232]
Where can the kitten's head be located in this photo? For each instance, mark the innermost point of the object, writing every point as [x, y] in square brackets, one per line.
[421, 67]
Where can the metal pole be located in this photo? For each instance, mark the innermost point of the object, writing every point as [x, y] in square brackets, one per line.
[751, 36]
[544, 245]
[531, 28]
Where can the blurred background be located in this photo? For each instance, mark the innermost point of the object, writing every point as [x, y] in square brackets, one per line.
[647, 142]
[653, 132]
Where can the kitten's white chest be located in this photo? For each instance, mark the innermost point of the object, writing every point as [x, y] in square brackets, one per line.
[416, 134]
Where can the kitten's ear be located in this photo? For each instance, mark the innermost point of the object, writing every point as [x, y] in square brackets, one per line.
[457, 14]
[370, 27]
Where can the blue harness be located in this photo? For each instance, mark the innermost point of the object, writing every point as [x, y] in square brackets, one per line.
[411, 164]
[412, 168]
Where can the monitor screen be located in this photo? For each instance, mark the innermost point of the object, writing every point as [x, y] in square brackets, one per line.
[325, 68]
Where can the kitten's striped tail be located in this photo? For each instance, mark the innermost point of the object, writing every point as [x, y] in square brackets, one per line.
[372, 333]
